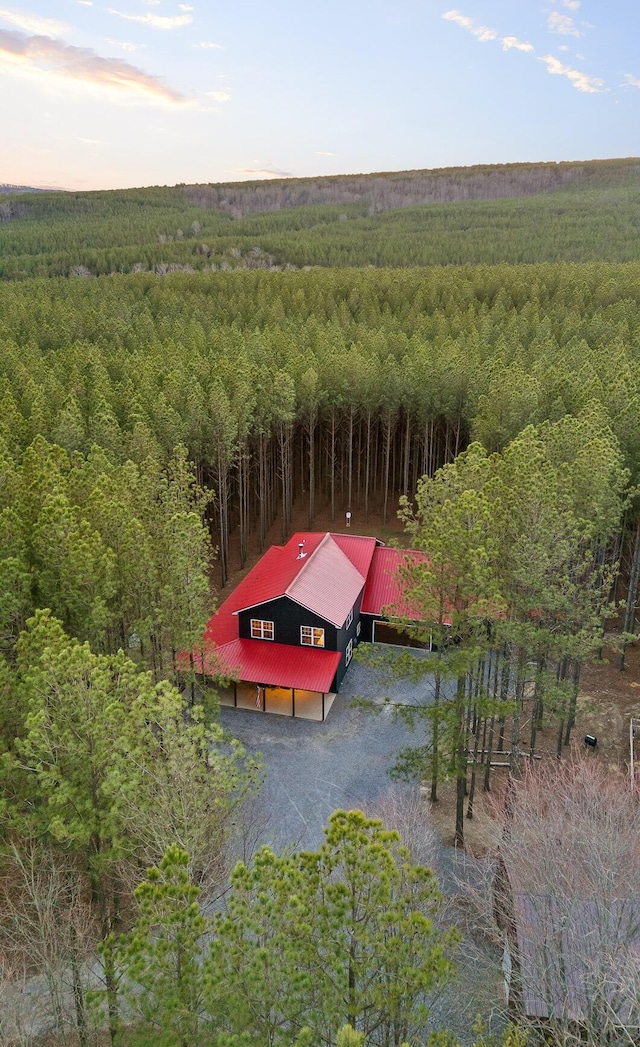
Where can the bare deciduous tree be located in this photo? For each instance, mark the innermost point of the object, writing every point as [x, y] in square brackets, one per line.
[565, 893]
[47, 938]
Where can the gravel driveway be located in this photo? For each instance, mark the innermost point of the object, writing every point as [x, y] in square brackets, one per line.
[313, 768]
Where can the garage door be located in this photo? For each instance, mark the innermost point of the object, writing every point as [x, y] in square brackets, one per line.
[384, 633]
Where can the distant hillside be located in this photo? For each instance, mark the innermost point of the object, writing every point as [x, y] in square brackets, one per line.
[6, 188]
[391, 190]
[516, 213]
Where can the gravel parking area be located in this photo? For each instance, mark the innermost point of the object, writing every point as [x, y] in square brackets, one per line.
[313, 768]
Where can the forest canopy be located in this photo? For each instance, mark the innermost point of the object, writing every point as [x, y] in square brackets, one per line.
[515, 213]
[363, 380]
[463, 343]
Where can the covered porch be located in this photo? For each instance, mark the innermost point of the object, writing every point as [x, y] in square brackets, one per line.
[279, 701]
[276, 678]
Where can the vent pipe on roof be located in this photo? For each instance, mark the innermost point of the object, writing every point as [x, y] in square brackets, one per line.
[301, 553]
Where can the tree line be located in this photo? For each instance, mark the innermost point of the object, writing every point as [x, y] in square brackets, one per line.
[513, 594]
[141, 417]
[391, 190]
[513, 214]
[339, 388]
[118, 553]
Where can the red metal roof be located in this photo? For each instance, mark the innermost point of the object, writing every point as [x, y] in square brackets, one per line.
[276, 664]
[359, 549]
[327, 580]
[328, 584]
[384, 588]
[223, 626]
[324, 579]
[274, 573]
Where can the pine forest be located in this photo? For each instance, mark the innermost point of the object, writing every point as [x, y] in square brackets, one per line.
[185, 371]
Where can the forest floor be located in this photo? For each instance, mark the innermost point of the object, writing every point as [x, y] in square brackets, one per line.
[607, 700]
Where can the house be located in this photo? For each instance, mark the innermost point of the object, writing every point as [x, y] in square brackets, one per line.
[286, 634]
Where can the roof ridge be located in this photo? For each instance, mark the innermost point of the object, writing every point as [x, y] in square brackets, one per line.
[352, 534]
[308, 557]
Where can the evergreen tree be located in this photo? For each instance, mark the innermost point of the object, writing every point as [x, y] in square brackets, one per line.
[341, 934]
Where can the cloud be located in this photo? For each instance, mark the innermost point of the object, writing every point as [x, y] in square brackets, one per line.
[156, 21]
[41, 57]
[481, 32]
[219, 96]
[632, 80]
[581, 81]
[125, 45]
[262, 172]
[90, 141]
[185, 7]
[322, 152]
[208, 45]
[484, 34]
[563, 24]
[86, 3]
[571, 5]
[32, 23]
[512, 41]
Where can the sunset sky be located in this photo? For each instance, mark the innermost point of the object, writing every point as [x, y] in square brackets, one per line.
[117, 93]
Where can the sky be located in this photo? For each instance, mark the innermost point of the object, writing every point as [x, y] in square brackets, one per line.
[102, 94]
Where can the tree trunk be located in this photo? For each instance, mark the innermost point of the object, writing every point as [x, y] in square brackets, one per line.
[332, 466]
[387, 460]
[311, 472]
[472, 787]
[575, 687]
[243, 495]
[632, 595]
[262, 468]
[435, 760]
[350, 461]
[561, 675]
[223, 513]
[496, 691]
[536, 717]
[286, 478]
[112, 996]
[461, 760]
[407, 455]
[367, 468]
[78, 999]
[515, 768]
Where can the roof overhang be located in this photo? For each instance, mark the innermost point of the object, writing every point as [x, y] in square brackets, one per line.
[274, 664]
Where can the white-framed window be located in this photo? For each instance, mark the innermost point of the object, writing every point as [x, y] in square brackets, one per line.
[358, 626]
[349, 619]
[348, 653]
[261, 630]
[311, 637]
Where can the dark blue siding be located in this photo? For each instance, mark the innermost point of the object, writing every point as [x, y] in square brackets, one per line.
[287, 617]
